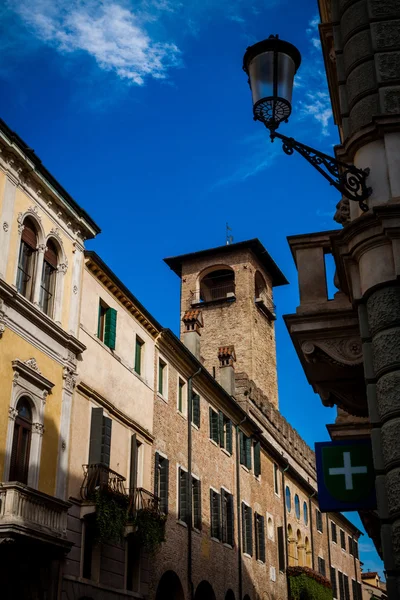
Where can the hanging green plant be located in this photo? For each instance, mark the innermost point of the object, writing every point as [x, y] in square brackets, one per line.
[111, 515]
[150, 529]
[305, 584]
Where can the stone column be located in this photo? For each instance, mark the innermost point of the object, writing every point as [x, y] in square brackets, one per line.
[38, 274]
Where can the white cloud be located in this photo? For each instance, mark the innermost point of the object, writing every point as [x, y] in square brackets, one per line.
[113, 35]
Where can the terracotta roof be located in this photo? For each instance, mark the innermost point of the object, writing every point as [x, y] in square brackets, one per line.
[369, 575]
[227, 351]
[193, 315]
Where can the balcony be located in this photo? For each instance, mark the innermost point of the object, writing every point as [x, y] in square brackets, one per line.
[210, 295]
[141, 499]
[325, 332]
[99, 477]
[28, 513]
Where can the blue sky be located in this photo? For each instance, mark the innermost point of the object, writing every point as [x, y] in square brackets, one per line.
[140, 108]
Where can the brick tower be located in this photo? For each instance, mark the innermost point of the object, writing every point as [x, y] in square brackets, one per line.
[232, 288]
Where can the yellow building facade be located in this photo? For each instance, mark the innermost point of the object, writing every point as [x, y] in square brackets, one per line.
[42, 237]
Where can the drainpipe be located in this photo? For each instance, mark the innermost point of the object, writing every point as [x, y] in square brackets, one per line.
[311, 530]
[285, 526]
[189, 482]
[240, 581]
[329, 546]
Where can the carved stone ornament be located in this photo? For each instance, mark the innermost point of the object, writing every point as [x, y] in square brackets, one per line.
[38, 428]
[56, 233]
[20, 219]
[32, 364]
[340, 351]
[69, 376]
[42, 248]
[342, 214]
[44, 396]
[12, 413]
[2, 329]
[6, 226]
[34, 210]
[62, 267]
[75, 289]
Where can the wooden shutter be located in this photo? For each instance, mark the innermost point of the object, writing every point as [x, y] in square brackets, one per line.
[257, 459]
[224, 516]
[346, 587]
[50, 255]
[281, 549]
[215, 511]
[196, 486]
[160, 377]
[221, 429]
[228, 446]
[350, 545]
[334, 582]
[110, 328]
[196, 409]
[341, 585]
[242, 449]
[261, 538]
[334, 532]
[164, 484]
[249, 530]
[342, 539]
[182, 495]
[230, 521]
[355, 549]
[133, 465]
[156, 473]
[29, 235]
[244, 525]
[138, 357]
[106, 441]
[96, 434]
[214, 426]
[248, 452]
[355, 590]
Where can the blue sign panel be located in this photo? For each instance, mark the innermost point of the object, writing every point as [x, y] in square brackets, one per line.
[345, 474]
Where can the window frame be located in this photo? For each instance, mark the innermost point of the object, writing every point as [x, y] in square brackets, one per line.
[227, 529]
[21, 425]
[305, 513]
[288, 499]
[215, 502]
[333, 535]
[318, 521]
[259, 524]
[297, 509]
[162, 377]
[181, 397]
[247, 529]
[139, 365]
[343, 540]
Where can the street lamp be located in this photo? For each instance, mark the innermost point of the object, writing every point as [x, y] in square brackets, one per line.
[271, 66]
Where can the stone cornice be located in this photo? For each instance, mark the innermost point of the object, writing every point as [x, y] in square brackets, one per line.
[121, 416]
[30, 371]
[369, 133]
[10, 296]
[25, 173]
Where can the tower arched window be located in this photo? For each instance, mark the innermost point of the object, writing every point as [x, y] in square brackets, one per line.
[48, 280]
[260, 288]
[297, 506]
[27, 259]
[21, 442]
[218, 285]
[288, 499]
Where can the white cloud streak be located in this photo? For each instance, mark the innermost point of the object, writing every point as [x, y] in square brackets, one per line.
[113, 35]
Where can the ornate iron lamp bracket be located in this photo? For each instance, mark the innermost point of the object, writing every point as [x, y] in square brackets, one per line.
[348, 179]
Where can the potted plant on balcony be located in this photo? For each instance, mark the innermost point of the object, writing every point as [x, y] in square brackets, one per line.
[111, 515]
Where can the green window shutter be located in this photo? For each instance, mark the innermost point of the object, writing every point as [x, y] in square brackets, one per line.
[99, 321]
[257, 535]
[218, 510]
[196, 410]
[229, 436]
[106, 442]
[257, 459]
[156, 474]
[242, 448]
[96, 434]
[230, 520]
[346, 587]
[133, 464]
[244, 525]
[260, 537]
[214, 425]
[210, 412]
[224, 516]
[248, 453]
[355, 549]
[110, 328]
[138, 356]
[249, 531]
[341, 585]
[334, 583]
[281, 549]
[215, 510]
[221, 429]
[197, 521]
[182, 495]
[164, 485]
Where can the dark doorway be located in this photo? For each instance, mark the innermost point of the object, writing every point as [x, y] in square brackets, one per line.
[204, 592]
[170, 587]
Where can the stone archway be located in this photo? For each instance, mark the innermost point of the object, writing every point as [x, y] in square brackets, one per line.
[170, 587]
[204, 591]
[229, 595]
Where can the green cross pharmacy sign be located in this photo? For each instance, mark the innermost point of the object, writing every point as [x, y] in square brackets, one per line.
[345, 473]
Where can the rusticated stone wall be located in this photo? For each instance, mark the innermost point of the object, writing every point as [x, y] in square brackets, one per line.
[367, 47]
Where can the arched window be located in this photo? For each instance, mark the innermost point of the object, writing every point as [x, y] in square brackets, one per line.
[308, 552]
[297, 506]
[48, 281]
[260, 288]
[288, 499]
[305, 513]
[27, 259]
[21, 442]
[217, 285]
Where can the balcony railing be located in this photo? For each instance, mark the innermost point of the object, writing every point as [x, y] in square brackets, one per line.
[99, 477]
[143, 499]
[213, 294]
[28, 512]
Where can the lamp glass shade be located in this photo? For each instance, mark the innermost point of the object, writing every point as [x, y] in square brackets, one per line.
[271, 66]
